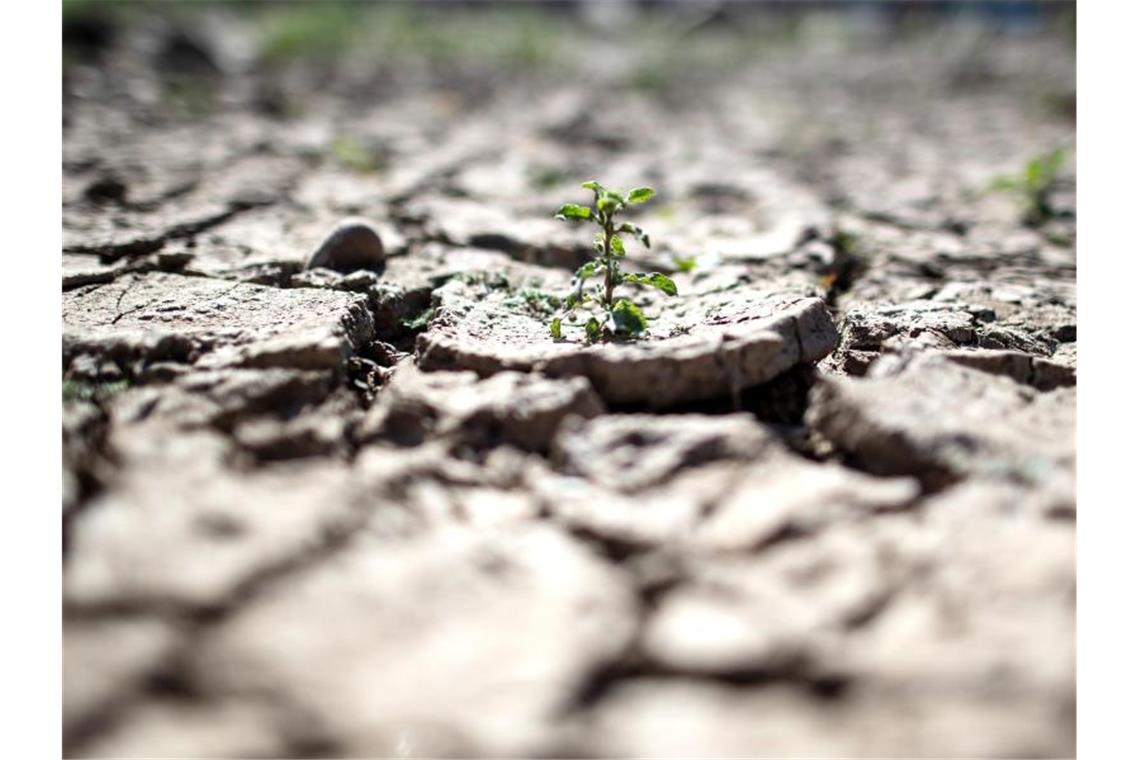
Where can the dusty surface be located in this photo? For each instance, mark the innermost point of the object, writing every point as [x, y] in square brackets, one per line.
[825, 507]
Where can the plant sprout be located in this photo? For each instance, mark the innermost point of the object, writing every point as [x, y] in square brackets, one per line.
[1034, 185]
[622, 316]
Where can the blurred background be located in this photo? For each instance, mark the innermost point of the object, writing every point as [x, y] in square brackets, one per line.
[901, 109]
[184, 60]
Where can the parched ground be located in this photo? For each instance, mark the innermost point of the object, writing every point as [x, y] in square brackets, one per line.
[825, 508]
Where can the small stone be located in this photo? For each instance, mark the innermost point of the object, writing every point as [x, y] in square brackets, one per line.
[107, 190]
[353, 244]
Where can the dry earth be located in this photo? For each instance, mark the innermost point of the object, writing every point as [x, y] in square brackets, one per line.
[825, 508]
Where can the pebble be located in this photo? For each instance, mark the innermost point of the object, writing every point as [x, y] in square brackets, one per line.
[353, 244]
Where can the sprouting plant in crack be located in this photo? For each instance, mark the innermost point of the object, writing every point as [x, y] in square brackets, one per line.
[621, 316]
[1034, 185]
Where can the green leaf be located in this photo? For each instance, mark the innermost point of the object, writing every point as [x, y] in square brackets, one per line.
[421, 321]
[663, 283]
[1005, 184]
[1041, 172]
[1034, 172]
[628, 318]
[587, 270]
[572, 211]
[640, 195]
[685, 263]
[593, 185]
[617, 246]
[556, 328]
[607, 204]
[593, 329]
[654, 279]
[636, 231]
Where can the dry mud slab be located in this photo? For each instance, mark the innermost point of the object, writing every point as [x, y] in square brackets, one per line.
[709, 344]
[213, 323]
[825, 507]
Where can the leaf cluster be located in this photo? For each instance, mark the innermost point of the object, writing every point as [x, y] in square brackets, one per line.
[622, 316]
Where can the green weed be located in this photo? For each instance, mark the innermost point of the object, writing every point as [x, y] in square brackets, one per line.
[622, 316]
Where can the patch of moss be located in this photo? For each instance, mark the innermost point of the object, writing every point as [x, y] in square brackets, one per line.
[79, 390]
[538, 302]
[354, 155]
[420, 321]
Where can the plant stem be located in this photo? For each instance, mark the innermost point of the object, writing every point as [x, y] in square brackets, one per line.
[609, 232]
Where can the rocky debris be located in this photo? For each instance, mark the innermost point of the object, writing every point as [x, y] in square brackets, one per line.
[865, 332]
[508, 407]
[272, 414]
[787, 497]
[537, 604]
[867, 329]
[212, 323]
[777, 616]
[699, 484]
[699, 346]
[396, 471]
[633, 452]
[400, 295]
[643, 482]
[1042, 374]
[935, 419]
[623, 524]
[1066, 356]
[310, 435]
[989, 288]
[191, 399]
[354, 244]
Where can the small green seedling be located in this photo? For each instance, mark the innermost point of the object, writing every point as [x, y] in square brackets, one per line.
[622, 316]
[1034, 185]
